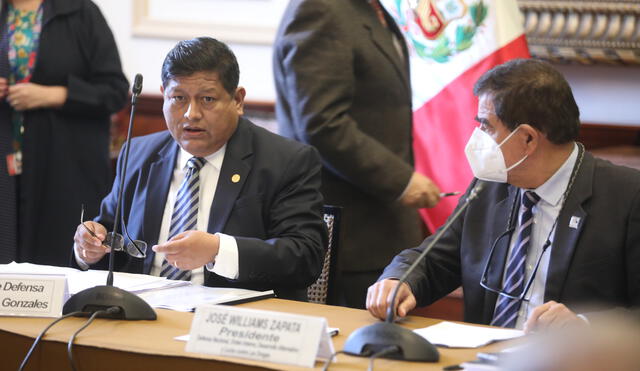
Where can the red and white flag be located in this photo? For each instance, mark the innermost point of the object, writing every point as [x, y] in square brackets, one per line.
[451, 44]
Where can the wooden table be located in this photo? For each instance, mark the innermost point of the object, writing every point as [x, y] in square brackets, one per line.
[150, 345]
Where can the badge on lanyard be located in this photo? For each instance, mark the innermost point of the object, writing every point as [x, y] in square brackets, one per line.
[14, 163]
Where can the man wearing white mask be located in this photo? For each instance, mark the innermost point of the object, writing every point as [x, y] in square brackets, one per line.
[554, 236]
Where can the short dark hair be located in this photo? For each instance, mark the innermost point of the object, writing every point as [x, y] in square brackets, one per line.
[530, 91]
[202, 54]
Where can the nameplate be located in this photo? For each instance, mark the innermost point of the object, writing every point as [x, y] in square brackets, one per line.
[33, 295]
[261, 335]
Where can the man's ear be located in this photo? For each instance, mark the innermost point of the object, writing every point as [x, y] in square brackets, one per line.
[238, 97]
[531, 137]
[161, 89]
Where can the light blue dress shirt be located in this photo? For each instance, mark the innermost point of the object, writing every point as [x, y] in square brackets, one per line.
[545, 214]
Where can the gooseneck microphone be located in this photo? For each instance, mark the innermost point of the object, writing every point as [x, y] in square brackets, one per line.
[101, 298]
[401, 343]
[135, 91]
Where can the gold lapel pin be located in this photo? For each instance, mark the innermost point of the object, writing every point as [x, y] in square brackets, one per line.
[235, 178]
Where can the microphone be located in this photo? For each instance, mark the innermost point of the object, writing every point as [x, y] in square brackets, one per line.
[135, 91]
[101, 298]
[383, 336]
[137, 87]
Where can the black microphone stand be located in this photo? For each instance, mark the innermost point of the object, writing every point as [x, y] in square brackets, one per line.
[135, 91]
[409, 346]
[101, 298]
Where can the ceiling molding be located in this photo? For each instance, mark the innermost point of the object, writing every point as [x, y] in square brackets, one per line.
[586, 32]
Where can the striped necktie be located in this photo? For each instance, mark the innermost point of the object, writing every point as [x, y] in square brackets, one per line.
[506, 312]
[185, 213]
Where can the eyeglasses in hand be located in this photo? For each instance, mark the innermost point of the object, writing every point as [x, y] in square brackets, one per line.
[135, 248]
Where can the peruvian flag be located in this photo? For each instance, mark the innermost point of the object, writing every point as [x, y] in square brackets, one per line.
[451, 44]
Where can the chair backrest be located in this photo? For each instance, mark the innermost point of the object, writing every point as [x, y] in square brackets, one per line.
[321, 290]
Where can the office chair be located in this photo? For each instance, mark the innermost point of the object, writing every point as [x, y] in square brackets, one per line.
[321, 291]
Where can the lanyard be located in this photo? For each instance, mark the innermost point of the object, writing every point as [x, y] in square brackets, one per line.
[565, 195]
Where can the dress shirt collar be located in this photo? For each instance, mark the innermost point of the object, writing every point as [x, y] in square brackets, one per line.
[552, 190]
[215, 159]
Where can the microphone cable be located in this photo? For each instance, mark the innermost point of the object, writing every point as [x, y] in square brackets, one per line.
[328, 361]
[94, 315]
[37, 340]
[382, 352]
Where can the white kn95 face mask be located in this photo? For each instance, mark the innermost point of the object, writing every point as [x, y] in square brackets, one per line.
[485, 157]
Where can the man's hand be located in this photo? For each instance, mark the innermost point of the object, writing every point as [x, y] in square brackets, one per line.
[420, 192]
[28, 96]
[551, 315]
[87, 247]
[379, 298]
[190, 249]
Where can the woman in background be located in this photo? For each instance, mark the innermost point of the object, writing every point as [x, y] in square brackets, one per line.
[60, 80]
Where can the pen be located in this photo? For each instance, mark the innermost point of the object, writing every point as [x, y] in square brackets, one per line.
[93, 234]
[447, 194]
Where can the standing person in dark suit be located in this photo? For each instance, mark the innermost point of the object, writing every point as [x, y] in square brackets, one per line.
[564, 226]
[342, 81]
[60, 81]
[226, 203]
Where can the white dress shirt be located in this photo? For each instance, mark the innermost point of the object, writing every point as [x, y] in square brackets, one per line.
[226, 262]
[545, 213]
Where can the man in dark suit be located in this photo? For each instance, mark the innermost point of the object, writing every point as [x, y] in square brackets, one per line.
[225, 203]
[342, 81]
[565, 226]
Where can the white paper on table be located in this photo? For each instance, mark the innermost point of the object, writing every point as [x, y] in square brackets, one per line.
[186, 298]
[159, 292]
[480, 366]
[455, 335]
[131, 282]
[28, 268]
[79, 280]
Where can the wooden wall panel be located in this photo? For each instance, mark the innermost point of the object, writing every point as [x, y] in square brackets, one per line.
[149, 119]
[600, 135]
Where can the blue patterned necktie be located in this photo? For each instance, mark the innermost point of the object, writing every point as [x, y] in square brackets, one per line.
[185, 213]
[506, 312]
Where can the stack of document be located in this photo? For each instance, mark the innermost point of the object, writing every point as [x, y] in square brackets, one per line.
[186, 298]
[159, 292]
[80, 280]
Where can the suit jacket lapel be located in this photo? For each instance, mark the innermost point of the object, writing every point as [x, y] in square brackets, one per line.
[234, 172]
[159, 181]
[501, 214]
[570, 223]
[384, 40]
[404, 58]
